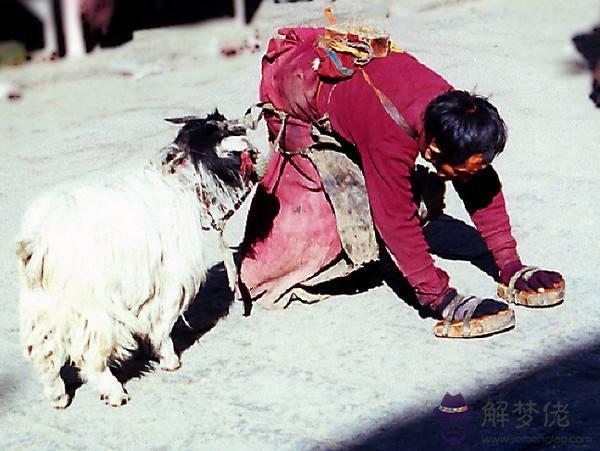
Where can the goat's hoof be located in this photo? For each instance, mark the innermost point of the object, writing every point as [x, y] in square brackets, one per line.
[61, 402]
[115, 399]
[172, 363]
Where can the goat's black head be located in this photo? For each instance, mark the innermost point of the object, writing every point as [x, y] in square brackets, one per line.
[219, 145]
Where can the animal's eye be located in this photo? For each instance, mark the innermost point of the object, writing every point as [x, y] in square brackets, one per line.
[215, 125]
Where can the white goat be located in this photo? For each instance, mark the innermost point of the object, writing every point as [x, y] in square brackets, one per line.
[102, 264]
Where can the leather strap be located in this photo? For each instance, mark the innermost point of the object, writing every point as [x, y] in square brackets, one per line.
[390, 108]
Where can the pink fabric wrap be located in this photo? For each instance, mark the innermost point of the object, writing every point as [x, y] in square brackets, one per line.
[291, 231]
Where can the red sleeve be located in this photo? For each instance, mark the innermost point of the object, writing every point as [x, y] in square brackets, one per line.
[388, 156]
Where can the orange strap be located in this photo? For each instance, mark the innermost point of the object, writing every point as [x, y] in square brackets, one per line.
[389, 107]
[329, 16]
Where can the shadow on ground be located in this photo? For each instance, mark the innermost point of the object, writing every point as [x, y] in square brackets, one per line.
[551, 407]
[212, 303]
[447, 237]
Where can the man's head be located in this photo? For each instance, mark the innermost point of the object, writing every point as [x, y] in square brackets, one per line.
[464, 133]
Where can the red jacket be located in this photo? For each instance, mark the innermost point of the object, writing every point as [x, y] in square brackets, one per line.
[388, 153]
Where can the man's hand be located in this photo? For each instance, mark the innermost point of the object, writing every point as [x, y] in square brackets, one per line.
[532, 281]
[531, 286]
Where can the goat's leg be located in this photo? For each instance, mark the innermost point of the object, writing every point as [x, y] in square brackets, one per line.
[49, 361]
[228, 262]
[54, 387]
[169, 360]
[94, 369]
[110, 389]
[162, 342]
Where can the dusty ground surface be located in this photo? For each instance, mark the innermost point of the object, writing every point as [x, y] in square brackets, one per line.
[360, 371]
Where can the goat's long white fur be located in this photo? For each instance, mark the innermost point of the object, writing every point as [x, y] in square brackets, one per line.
[101, 263]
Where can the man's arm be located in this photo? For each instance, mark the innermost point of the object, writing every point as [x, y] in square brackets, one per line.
[482, 196]
[388, 156]
[484, 201]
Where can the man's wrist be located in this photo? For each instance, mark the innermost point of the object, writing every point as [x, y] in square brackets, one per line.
[439, 305]
[508, 270]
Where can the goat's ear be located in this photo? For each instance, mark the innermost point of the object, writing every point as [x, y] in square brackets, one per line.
[181, 120]
[216, 116]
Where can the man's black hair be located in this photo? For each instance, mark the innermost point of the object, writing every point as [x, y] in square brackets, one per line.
[463, 124]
